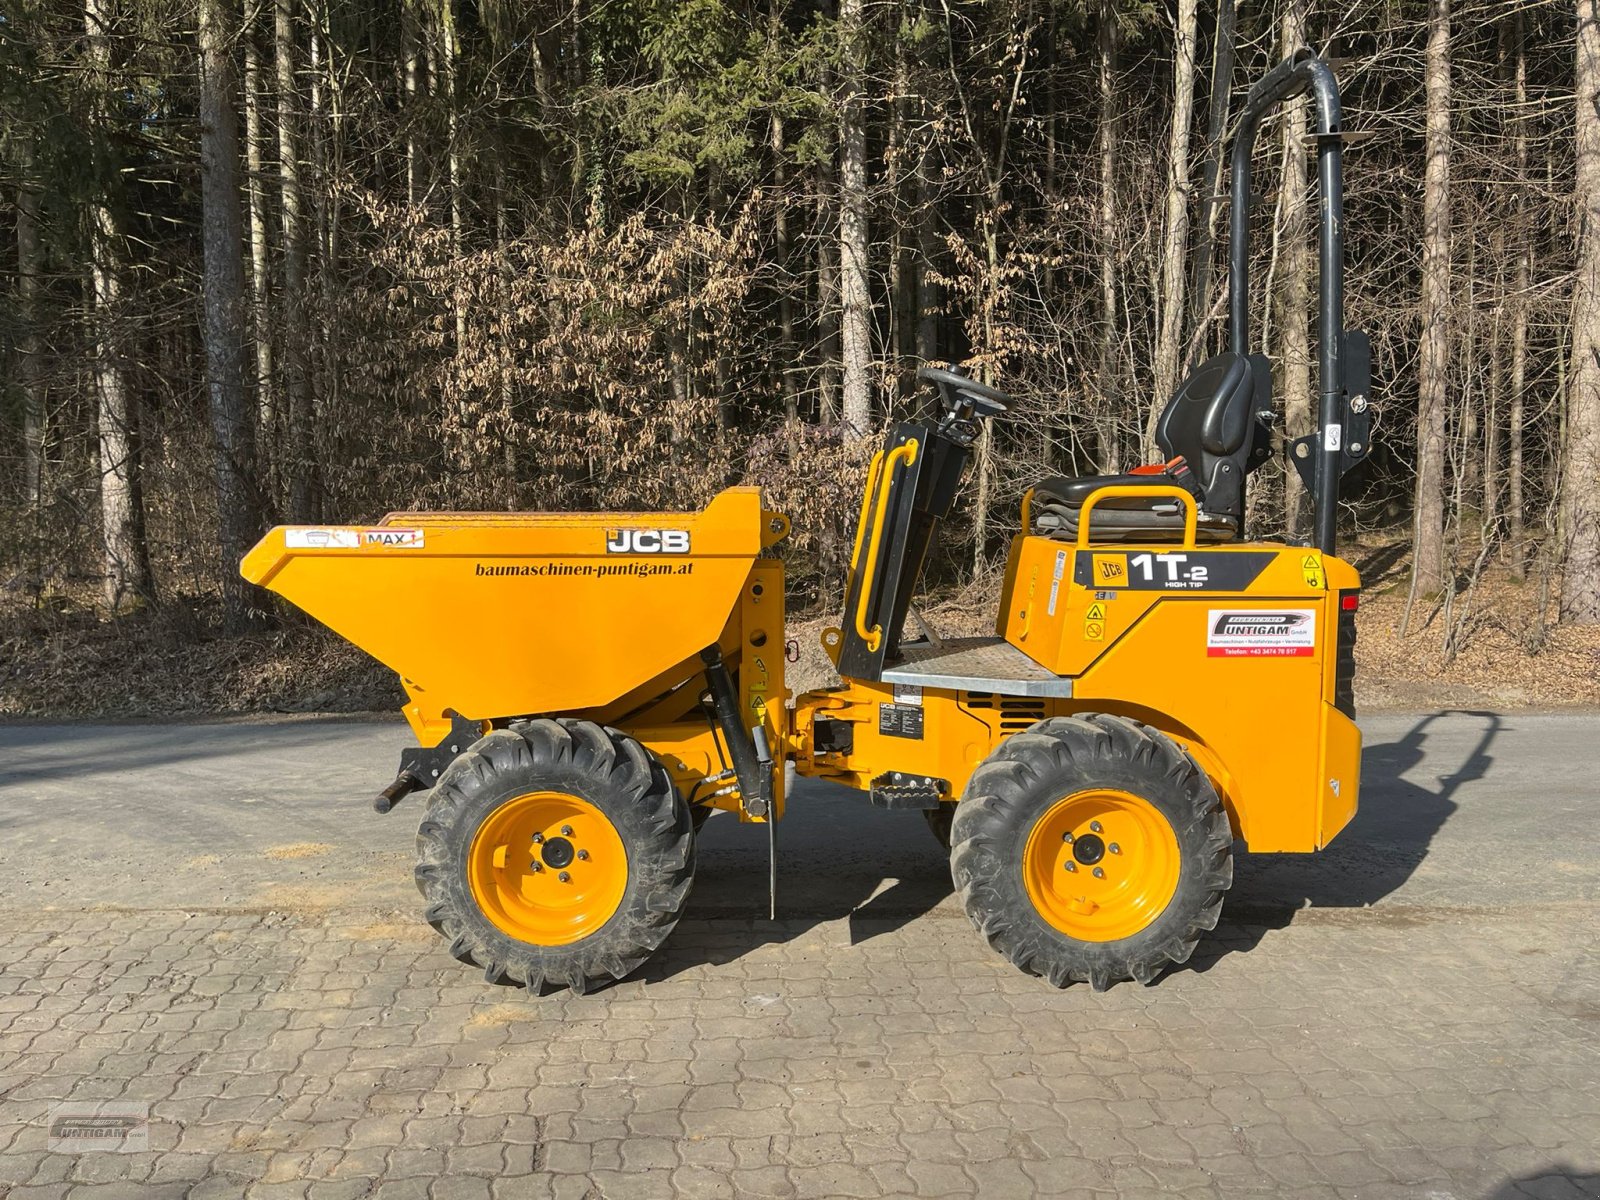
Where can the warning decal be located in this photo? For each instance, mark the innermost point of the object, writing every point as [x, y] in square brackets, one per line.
[1261, 633]
[321, 539]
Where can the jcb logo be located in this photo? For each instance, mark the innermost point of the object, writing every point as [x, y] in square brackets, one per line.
[647, 541]
[1110, 570]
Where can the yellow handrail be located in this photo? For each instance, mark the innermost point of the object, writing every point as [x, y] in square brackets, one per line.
[1027, 511]
[1191, 512]
[866, 506]
[905, 452]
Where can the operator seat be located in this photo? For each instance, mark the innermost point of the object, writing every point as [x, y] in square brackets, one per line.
[1212, 434]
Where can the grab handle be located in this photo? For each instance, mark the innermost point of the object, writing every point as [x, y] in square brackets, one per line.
[905, 453]
[1191, 512]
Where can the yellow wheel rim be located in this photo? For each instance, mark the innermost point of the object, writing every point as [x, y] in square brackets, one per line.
[1101, 865]
[547, 868]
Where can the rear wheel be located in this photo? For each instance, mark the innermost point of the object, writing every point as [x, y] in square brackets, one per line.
[1092, 849]
[555, 852]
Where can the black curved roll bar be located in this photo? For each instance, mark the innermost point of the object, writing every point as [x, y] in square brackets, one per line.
[1293, 77]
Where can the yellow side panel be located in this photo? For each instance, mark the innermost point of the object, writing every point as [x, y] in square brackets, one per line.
[498, 614]
[1260, 719]
[1340, 781]
[1137, 629]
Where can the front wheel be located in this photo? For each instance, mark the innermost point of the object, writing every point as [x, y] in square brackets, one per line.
[555, 852]
[1093, 849]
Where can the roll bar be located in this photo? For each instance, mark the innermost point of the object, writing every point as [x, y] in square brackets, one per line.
[1293, 77]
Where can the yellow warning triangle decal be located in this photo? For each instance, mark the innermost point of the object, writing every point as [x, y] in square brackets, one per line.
[1097, 612]
[1310, 563]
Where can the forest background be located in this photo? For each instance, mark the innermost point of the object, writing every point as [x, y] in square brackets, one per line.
[313, 260]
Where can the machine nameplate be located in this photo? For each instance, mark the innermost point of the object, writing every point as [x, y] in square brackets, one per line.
[900, 720]
[1172, 571]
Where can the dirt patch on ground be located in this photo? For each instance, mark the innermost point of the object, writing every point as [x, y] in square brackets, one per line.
[298, 850]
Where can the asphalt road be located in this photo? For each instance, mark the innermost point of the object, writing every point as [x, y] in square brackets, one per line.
[1458, 810]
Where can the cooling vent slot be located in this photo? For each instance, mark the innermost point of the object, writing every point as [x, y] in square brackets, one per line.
[1016, 712]
[1019, 712]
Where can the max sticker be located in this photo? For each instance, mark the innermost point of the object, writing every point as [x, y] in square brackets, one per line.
[409, 539]
[1261, 633]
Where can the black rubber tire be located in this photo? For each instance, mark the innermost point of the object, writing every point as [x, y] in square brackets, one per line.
[1017, 784]
[939, 820]
[612, 772]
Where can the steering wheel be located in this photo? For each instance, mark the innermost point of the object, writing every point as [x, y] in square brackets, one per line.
[959, 391]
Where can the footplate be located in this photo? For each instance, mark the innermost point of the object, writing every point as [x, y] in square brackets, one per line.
[902, 789]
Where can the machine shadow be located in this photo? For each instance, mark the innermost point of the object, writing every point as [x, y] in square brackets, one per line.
[1560, 1179]
[839, 859]
[1371, 859]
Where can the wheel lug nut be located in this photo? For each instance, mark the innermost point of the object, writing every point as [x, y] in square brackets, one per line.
[583, 856]
[538, 838]
[566, 831]
[535, 867]
[1114, 848]
[1095, 826]
[564, 877]
[1067, 838]
[1072, 866]
[1099, 874]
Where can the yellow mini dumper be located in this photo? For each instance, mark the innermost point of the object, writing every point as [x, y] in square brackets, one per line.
[1157, 690]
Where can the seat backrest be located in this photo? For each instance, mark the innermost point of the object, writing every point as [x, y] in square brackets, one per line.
[1208, 421]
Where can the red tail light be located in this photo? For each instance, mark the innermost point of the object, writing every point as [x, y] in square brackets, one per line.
[1350, 602]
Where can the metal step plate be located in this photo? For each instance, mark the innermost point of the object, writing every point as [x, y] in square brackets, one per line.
[988, 664]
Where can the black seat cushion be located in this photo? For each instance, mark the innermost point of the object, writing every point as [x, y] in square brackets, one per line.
[1075, 489]
[1207, 423]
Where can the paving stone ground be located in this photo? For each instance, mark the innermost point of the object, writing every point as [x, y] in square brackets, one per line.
[304, 1034]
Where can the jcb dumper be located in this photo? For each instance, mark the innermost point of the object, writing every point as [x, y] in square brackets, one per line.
[585, 689]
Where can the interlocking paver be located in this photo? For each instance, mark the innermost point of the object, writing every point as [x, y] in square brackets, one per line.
[335, 1050]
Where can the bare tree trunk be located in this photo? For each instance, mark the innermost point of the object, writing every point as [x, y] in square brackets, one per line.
[447, 79]
[127, 561]
[1175, 234]
[1211, 169]
[232, 429]
[1428, 565]
[1522, 280]
[827, 299]
[260, 270]
[854, 295]
[29, 369]
[1109, 451]
[1293, 297]
[930, 298]
[300, 456]
[789, 365]
[409, 77]
[1580, 457]
[1494, 392]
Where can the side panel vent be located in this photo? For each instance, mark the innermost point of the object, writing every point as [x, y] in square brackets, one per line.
[1019, 712]
[1344, 664]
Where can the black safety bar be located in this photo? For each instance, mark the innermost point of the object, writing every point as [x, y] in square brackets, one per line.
[1290, 78]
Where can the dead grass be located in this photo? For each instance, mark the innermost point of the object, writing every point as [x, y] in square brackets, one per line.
[1512, 652]
[59, 660]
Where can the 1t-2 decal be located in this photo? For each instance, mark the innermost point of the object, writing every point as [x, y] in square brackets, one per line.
[1169, 570]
